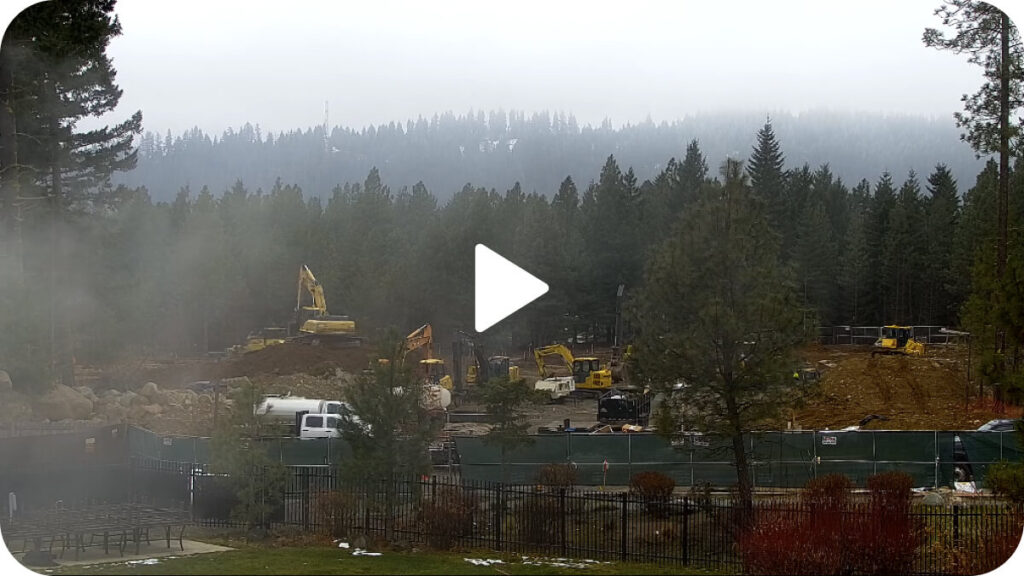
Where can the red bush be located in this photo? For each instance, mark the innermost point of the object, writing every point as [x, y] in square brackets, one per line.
[557, 476]
[447, 517]
[828, 534]
[654, 489]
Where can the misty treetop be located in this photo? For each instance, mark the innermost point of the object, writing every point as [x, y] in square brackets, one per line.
[537, 150]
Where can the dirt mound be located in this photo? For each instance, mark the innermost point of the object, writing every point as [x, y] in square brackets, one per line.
[291, 358]
[914, 393]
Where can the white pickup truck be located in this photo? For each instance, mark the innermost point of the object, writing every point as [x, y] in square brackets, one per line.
[320, 418]
[319, 426]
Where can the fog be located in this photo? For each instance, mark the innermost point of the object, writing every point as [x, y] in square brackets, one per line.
[220, 64]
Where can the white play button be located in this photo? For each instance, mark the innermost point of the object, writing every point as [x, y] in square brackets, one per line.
[501, 288]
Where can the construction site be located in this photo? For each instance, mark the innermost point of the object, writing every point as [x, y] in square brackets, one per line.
[176, 396]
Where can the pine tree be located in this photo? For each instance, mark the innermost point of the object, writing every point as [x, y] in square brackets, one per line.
[986, 34]
[718, 311]
[942, 214]
[54, 71]
[880, 286]
[690, 177]
[767, 178]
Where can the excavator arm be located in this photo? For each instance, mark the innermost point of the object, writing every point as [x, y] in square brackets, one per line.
[420, 337]
[308, 283]
[554, 350]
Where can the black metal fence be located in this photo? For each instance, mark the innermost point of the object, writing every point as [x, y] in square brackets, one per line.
[565, 522]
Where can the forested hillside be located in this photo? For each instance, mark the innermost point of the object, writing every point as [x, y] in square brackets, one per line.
[199, 272]
[495, 149]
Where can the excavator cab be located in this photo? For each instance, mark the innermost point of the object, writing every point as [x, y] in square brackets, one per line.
[434, 372]
[583, 367]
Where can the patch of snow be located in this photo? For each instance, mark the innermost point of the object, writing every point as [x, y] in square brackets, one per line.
[483, 561]
[146, 562]
[361, 552]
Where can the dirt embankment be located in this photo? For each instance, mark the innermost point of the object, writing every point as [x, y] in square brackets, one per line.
[913, 393]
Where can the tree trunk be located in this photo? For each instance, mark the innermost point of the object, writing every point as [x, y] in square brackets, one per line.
[740, 456]
[1004, 142]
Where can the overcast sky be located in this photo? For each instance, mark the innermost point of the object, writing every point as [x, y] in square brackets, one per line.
[221, 63]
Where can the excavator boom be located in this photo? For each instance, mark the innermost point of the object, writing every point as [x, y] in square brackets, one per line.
[308, 283]
[554, 350]
[420, 337]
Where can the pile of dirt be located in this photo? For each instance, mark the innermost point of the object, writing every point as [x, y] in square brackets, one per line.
[291, 358]
[914, 393]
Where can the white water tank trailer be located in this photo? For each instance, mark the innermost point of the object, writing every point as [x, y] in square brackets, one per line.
[284, 408]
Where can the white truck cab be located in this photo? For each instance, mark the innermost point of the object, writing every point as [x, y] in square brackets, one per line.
[319, 426]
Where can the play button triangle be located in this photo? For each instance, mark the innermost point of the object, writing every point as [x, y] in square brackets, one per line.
[501, 288]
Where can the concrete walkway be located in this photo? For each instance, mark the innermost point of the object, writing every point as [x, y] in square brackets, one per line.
[152, 552]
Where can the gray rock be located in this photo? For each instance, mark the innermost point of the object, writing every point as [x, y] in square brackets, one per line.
[5, 382]
[149, 390]
[87, 392]
[126, 398]
[63, 403]
[933, 499]
[114, 413]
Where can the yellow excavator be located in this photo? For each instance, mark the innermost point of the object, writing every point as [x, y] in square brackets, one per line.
[316, 325]
[586, 370]
[898, 340]
[486, 367]
[432, 369]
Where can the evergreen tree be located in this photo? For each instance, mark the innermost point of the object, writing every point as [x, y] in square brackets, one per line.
[855, 275]
[815, 259]
[991, 41]
[767, 178]
[54, 71]
[718, 312]
[880, 285]
[942, 215]
[690, 177]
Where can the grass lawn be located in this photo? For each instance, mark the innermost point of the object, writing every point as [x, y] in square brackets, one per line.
[336, 561]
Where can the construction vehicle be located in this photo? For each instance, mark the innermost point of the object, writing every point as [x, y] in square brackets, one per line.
[587, 373]
[486, 367]
[260, 339]
[316, 325]
[432, 369]
[898, 340]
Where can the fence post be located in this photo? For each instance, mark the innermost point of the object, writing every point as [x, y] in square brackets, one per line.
[956, 523]
[686, 530]
[306, 500]
[433, 489]
[625, 523]
[498, 512]
[561, 514]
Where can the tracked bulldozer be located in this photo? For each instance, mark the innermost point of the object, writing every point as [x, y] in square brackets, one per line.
[898, 340]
